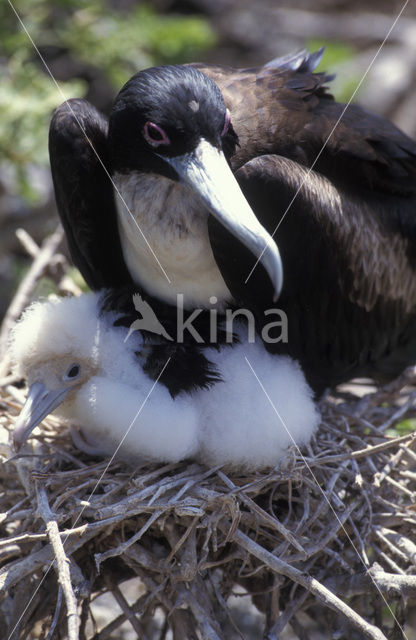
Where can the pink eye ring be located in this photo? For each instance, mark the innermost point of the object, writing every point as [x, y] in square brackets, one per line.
[155, 135]
[226, 123]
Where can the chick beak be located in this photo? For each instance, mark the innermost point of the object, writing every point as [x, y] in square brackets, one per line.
[40, 402]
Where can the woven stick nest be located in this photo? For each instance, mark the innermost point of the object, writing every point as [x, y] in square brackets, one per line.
[324, 541]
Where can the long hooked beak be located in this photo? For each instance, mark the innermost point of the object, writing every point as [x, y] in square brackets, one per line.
[206, 171]
[40, 402]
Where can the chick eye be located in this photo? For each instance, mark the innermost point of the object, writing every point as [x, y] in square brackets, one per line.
[155, 135]
[73, 372]
[226, 123]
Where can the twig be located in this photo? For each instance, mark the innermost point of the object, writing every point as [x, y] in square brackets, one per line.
[284, 618]
[266, 518]
[390, 584]
[56, 269]
[25, 290]
[331, 532]
[193, 596]
[389, 544]
[62, 562]
[308, 582]
[362, 453]
[55, 615]
[9, 380]
[121, 548]
[406, 546]
[127, 611]
[27, 242]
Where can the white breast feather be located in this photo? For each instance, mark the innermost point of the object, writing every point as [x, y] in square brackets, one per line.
[169, 218]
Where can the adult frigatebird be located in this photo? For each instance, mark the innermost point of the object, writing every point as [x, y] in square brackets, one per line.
[175, 220]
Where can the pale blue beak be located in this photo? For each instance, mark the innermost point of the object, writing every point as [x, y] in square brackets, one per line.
[40, 402]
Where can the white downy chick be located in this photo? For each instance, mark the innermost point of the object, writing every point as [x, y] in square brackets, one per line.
[78, 366]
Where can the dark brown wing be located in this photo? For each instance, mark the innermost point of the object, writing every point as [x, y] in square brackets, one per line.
[349, 267]
[285, 109]
[84, 193]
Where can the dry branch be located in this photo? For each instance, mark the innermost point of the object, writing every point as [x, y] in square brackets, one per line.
[24, 292]
[62, 561]
[310, 584]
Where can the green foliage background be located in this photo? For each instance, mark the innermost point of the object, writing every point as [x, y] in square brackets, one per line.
[97, 33]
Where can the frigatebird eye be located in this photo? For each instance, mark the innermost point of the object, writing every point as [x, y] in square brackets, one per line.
[226, 123]
[72, 373]
[155, 134]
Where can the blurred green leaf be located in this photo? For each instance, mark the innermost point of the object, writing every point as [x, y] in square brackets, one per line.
[27, 99]
[118, 43]
[134, 41]
[335, 53]
[337, 59]
[403, 428]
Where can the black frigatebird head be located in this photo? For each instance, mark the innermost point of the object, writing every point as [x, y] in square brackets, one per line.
[172, 121]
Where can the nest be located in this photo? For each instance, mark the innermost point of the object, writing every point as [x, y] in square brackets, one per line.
[323, 542]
